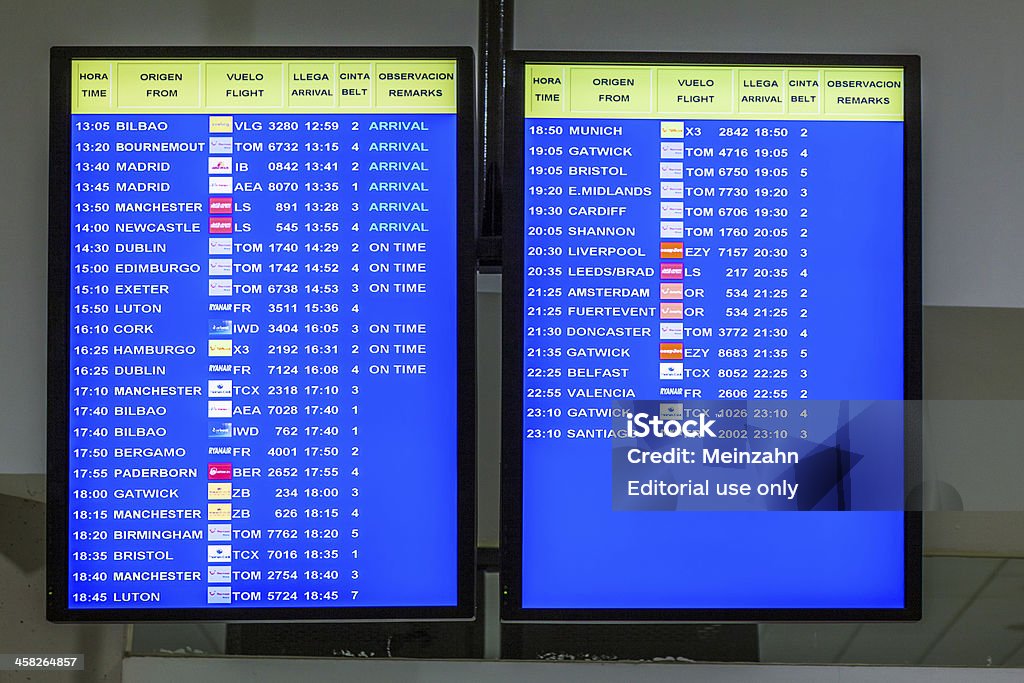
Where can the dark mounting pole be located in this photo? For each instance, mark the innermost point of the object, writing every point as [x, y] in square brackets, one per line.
[496, 20]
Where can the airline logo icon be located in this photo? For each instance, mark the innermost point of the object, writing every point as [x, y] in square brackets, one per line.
[220, 185]
[221, 574]
[218, 408]
[219, 165]
[218, 470]
[671, 150]
[220, 347]
[670, 129]
[220, 287]
[220, 145]
[218, 490]
[219, 388]
[671, 290]
[220, 246]
[218, 512]
[672, 210]
[671, 190]
[671, 371]
[220, 328]
[670, 411]
[671, 330]
[220, 430]
[221, 225]
[670, 250]
[220, 266]
[218, 595]
[671, 229]
[671, 170]
[671, 271]
[671, 351]
[221, 204]
[671, 311]
[218, 553]
[220, 124]
[218, 532]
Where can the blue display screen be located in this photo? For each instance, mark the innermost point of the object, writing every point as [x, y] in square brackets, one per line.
[262, 393]
[720, 264]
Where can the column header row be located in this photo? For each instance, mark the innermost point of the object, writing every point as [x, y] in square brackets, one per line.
[156, 86]
[775, 92]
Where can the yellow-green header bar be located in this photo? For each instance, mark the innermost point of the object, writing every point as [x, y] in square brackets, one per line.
[714, 92]
[263, 86]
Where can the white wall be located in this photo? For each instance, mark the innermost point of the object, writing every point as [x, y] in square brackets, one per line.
[23, 625]
[172, 670]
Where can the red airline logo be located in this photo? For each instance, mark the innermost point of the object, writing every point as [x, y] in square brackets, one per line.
[217, 471]
[220, 225]
[671, 271]
[221, 204]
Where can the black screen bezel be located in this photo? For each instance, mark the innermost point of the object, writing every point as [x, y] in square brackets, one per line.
[58, 357]
[512, 324]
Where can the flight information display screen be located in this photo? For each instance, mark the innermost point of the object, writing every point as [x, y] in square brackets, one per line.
[712, 308]
[261, 334]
